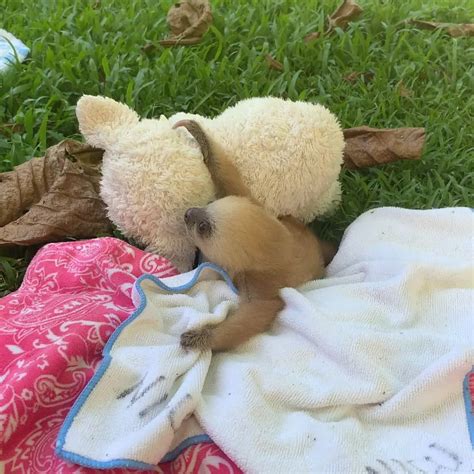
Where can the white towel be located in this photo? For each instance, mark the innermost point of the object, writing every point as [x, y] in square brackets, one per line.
[362, 372]
[11, 49]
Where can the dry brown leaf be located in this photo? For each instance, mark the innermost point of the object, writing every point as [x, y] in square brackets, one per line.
[367, 146]
[352, 77]
[148, 48]
[180, 41]
[7, 129]
[273, 63]
[453, 29]
[188, 21]
[52, 198]
[346, 12]
[403, 90]
[312, 36]
[365, 76]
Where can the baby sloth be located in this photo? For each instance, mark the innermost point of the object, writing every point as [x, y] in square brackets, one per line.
[262, 254]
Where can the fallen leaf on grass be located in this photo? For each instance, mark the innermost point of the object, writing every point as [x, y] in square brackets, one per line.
[346, 12]
[365, 76]
[367, 146]
[352, 77]
[312, 36]
[180, 41]
[188, 21]
[273, 63]
[148, 48]
[54, 197]
[403, 90]
[453, 29]
[7, 129]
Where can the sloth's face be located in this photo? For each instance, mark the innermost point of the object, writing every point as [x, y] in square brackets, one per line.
[235, 233]
[199, 223]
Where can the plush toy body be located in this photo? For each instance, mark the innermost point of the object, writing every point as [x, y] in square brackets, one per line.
[289, 155]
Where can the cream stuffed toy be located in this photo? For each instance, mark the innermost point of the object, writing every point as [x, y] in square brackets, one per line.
[289, 154]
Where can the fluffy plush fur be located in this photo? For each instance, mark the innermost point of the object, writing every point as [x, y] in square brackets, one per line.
[288, 153]
[261, 253]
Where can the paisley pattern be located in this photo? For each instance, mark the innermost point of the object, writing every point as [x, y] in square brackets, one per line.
[53, 330]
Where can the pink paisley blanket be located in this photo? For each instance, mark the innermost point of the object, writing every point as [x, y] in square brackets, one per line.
[52, 332]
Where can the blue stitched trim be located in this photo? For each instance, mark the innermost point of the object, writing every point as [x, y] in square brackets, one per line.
[172, 455]
[130, 463]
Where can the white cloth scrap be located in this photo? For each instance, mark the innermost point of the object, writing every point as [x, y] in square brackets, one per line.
[362, 372]
[11, 50]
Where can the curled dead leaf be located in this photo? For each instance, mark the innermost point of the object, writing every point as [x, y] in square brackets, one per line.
[365, 76]
[453, 29]
[352, 77]
[148, 48]
[312, 36]
[7, 129]
[367, 146]
[345, 13]
[403, 90]
[54, 197]
[273, 63]
[180, 41]
[88, 158]
[188, 21]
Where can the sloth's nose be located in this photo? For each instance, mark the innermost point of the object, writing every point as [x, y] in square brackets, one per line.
[188, 215]
[194, 214]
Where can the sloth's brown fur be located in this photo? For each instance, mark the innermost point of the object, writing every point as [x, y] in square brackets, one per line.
[261, 253]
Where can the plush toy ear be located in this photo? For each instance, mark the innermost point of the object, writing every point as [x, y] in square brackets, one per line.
[102, 119]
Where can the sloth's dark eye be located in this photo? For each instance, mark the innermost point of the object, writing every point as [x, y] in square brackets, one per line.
[204, 228]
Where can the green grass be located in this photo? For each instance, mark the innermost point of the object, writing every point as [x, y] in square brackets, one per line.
[77, 49]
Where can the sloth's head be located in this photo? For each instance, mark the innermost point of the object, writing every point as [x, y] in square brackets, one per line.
[236, 234]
